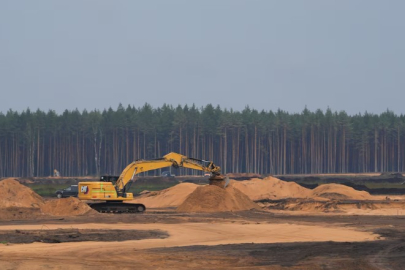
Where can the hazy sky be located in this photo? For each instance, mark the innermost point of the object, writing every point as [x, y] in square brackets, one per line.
[348, 55]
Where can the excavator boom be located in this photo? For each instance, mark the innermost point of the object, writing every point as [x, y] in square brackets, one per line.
[171, 159]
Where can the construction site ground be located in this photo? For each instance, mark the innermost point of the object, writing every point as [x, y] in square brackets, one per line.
[167, 239]
[261, 223]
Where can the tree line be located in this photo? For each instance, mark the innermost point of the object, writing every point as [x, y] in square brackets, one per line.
[79, 143]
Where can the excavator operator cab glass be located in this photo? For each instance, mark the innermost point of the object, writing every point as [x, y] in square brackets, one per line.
[109, 178]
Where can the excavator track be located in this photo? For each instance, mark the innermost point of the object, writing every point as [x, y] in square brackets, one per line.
[118, 207]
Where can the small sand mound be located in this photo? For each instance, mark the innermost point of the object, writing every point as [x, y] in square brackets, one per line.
[211, 198]
[66, 207]
[271, 188]
[340, 192]
[170, 197]
[13, 194]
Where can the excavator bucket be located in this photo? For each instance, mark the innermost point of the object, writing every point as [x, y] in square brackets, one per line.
[219, 180]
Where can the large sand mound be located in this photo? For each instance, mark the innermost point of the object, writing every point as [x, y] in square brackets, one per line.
[271, 188]
[20, 202]
[340, 192]
[66, 207]
[212, 198]
[170, 197]
[13, 194]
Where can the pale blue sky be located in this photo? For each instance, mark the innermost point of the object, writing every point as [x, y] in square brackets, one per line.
[348, 55]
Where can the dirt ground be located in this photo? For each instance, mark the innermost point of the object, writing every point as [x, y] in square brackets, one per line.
[46, 235]
[166, 239]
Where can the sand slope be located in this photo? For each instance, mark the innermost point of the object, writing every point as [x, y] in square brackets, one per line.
[66, 207]
[170, 197]
[340, 192]
[13, 194]
[20, 202]
[216, 199]
[270, 188]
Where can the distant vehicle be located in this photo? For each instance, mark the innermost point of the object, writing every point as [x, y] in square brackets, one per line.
[207, 174]
[71, 191]
[167, 174]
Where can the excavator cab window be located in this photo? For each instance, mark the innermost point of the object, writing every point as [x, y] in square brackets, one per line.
[109, 178]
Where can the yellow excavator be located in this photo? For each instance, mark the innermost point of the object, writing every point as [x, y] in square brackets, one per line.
[109, 194]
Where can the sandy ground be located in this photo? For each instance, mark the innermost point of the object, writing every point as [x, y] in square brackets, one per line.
[344, 229]
[247, 240]
[188, 234]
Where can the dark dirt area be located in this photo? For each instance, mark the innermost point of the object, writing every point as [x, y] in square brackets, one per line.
[388, 253]
[335, 206]
[76, 235]
[170, 216]
[323, 255]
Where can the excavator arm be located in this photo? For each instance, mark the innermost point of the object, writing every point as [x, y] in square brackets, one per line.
[171, 159]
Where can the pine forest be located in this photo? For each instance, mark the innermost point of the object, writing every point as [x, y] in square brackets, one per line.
[266, 142]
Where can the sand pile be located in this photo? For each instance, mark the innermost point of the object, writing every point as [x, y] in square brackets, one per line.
[211, 198]
[66, 207]
[271, 188]
[13, 194]
[20, 202]
[340, 192]
[170, 197]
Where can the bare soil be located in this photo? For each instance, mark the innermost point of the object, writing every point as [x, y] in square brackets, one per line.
[66, 207]
[76, 235]
[211, 198]
[342, 207]
[208, 240]
[327, 229]
[13, 194]
[169, 197]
